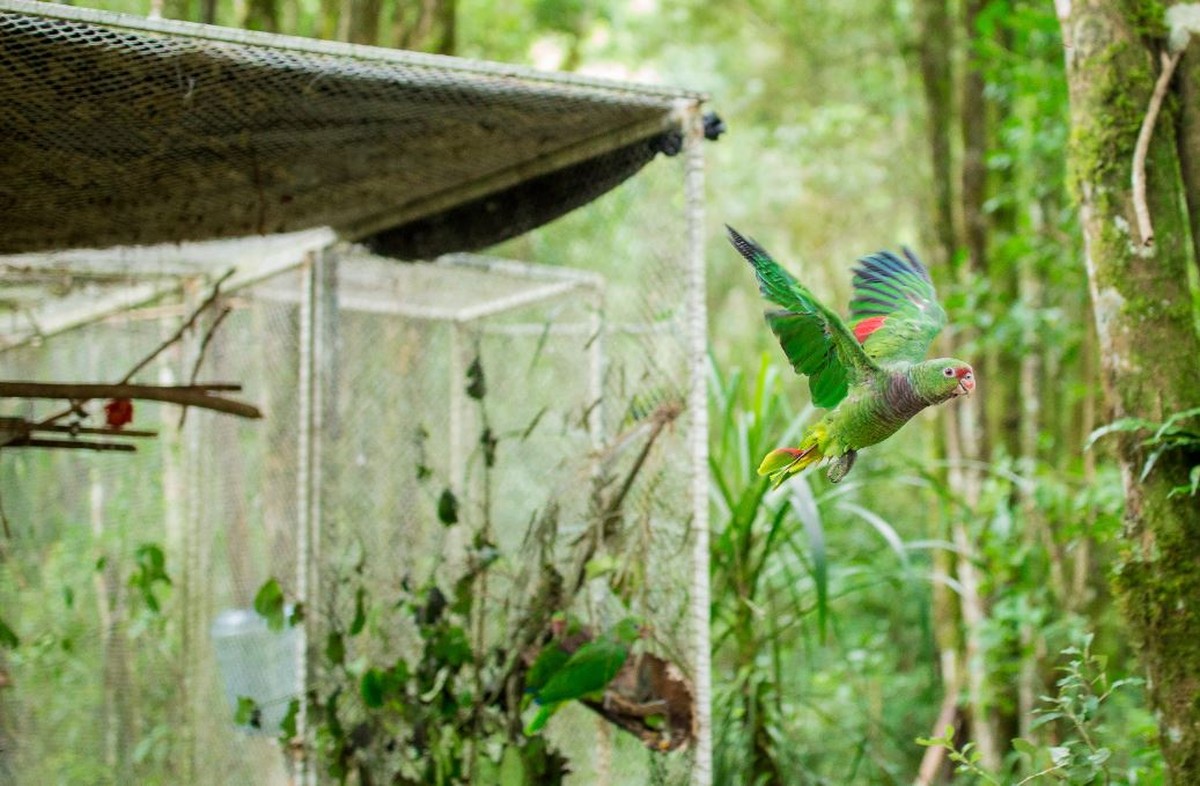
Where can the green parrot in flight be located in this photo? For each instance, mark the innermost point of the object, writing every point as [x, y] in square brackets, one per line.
[584, 674]
[871, 376]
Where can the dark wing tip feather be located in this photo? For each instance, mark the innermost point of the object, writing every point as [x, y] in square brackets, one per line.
[882, 267]
[744, 245]
[884, 306]
[883, 263]
[917, 265]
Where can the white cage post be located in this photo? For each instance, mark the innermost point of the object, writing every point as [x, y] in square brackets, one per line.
[698, 405]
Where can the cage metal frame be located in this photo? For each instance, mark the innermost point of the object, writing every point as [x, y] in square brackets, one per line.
[312, 250]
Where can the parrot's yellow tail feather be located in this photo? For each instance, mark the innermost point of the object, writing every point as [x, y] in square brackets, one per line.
[781, 464]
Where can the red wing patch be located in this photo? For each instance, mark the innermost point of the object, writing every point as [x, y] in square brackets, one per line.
[866, 327]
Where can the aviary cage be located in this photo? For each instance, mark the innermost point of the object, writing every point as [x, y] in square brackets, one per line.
[452, 449]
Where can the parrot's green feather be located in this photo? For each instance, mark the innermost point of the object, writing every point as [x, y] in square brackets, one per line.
[539, 720]
[591, 668]
[816, 341]
[901, 293]
[551, 659]
[873, 379]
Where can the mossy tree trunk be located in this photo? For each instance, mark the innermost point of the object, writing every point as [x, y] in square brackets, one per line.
[1148, 342]
[1188, 138]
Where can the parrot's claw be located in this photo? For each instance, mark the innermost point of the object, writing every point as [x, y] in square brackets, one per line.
[841, 466]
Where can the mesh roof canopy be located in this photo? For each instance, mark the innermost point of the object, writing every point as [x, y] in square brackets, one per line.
[121, 130]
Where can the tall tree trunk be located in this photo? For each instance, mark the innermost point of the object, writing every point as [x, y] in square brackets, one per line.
[1148, 347]
[974, 143]
[262, 15]
[935, 34]
[448, 16]
[364, 21]
[1188, 84]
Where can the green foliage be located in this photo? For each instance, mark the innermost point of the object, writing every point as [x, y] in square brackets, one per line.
[966, 758]
[413, 687]
[794, 683]
[247, 713]
[1164, 437]
[447, 509]
[1082, 691]
[476, 386]
[150, 571]
[269, 603]
[8, 637]
[418, 721]
[287, 727]
[1084, 750]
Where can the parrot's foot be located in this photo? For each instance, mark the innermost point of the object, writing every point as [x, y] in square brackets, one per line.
[841, 466]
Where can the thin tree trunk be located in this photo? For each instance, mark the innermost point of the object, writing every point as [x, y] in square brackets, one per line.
[1081, 591]
[262, 15]
[974, 145]
[448, 16]
[363, 27]
[966, 485]
[330, 17]
[935, 46]
[971, 434]
[1029, 685]
[1148, 349]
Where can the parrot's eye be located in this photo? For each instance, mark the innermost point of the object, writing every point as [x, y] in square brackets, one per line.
[948, 371]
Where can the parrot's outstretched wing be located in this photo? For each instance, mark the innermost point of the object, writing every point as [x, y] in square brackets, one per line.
[815, 340]
[894, 310]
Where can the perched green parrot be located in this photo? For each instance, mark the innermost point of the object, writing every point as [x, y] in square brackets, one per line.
[566, 637]
[586, 673]
[871, 376]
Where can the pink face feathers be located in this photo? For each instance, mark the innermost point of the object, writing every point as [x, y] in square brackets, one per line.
[966, 379]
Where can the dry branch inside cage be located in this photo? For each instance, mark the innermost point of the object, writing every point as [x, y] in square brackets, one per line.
[30, 433]
[650, 696]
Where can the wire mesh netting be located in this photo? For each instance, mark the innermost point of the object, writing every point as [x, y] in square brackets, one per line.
[125, 130]
[450, 453]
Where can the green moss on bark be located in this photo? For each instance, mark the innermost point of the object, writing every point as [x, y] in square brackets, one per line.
[1149, 346]
[1147, 18]
[1103, 143]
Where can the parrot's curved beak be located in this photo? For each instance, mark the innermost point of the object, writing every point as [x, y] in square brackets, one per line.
[966, 383]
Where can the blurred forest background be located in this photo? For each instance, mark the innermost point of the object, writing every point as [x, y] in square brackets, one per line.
[957, 587]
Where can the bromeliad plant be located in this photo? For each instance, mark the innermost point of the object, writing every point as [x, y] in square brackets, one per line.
[757, 536]
[1170, 435]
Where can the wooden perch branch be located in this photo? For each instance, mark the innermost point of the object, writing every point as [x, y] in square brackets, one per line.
[610, 509]
[186, 395]
[76, 401]
[1140, 209]
[24, 426]
[72, 444]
